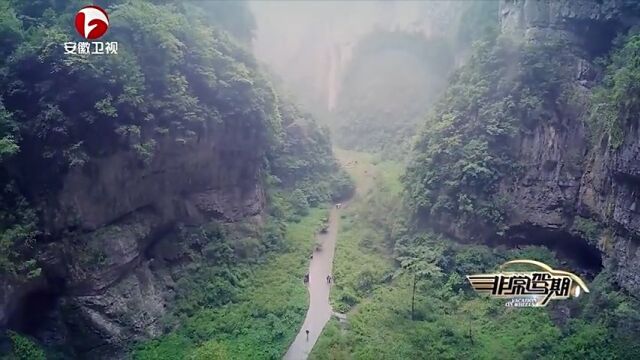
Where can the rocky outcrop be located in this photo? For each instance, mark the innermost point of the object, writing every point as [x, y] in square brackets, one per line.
[102, 283]
[564, 176]
[590, 24]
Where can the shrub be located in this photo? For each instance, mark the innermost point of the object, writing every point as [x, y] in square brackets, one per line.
[25, 349]
[616, 101]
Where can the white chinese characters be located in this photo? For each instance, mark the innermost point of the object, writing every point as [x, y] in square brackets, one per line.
[91, 48]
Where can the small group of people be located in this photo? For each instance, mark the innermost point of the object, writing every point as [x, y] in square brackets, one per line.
[306, 278]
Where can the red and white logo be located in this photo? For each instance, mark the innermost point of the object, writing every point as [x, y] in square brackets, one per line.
[92, 22]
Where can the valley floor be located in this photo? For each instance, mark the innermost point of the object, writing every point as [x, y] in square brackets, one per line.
[319, 311]
[450, 320]
[263, 318]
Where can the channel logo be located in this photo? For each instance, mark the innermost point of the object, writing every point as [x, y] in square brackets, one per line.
[529, 288]
[92, 22]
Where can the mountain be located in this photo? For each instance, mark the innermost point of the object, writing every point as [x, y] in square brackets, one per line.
[536, 139]
[107, 160]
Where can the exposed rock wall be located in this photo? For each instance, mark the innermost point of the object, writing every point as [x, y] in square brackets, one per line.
[564, 175]
[102, 283]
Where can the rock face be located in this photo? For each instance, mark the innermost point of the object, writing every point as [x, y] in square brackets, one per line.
[566, 178]
[103, 283]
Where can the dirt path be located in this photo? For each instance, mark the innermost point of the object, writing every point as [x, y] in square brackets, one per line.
[358, 165]
[319, 311]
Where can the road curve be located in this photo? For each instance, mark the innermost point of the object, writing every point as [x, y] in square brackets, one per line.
[319, 311]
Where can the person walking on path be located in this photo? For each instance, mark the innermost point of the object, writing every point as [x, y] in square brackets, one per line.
[328, 279]
[307, 334]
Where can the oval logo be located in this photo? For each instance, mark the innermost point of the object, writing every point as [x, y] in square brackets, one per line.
[92, 22]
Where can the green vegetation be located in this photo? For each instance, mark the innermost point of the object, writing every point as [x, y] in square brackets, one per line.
[615, 102]
[244, 299]
[175, 79]
[24, 348]
[303, 156]
[588, 229]
[17, 235]
[240, 308]
[447, 319]
[464, 148]
[17, 219]
[182, 73]
[180, 76]
[365, 230]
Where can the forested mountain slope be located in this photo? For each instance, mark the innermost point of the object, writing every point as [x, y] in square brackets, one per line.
[108, 163]
[532, 152]
[536, 139]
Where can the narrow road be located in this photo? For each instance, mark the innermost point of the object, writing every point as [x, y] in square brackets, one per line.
[319, 311]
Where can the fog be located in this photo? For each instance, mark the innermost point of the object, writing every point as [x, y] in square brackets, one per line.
[310, 44]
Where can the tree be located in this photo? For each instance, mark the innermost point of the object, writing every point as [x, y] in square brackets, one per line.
[421, 262]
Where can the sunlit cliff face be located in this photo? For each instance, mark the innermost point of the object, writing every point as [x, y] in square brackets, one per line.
[309, 44]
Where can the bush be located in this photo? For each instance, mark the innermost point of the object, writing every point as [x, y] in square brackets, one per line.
[588, 229]
[342, 186]
[299, 202]
[210, 350]
[25, 349]
[616, 101]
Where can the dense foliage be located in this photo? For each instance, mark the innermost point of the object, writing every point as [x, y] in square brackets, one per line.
[25, 349]
[464, 148]
[302, 162]
[242, 297]
[173, 80]
[375, 280]
[239, 305]
[180, 74]
[615, 102]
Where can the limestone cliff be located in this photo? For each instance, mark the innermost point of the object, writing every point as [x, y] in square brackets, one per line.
[513, 154]
[566, 179]
[97, 264]
[114, 156]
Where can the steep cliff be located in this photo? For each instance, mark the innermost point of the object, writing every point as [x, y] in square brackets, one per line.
[108, 159]
[571, 178]
[511, 154]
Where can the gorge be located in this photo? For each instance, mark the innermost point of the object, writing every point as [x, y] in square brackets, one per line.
[163, 203]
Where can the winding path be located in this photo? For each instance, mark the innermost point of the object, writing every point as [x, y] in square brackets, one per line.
[319, 311]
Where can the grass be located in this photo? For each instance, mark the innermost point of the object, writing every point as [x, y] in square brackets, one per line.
[366, 168]
[362, 260]
[358, 266]
[363, 264]
[451, 321]
[262, 321]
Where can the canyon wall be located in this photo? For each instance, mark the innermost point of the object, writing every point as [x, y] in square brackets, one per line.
[565, 179]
